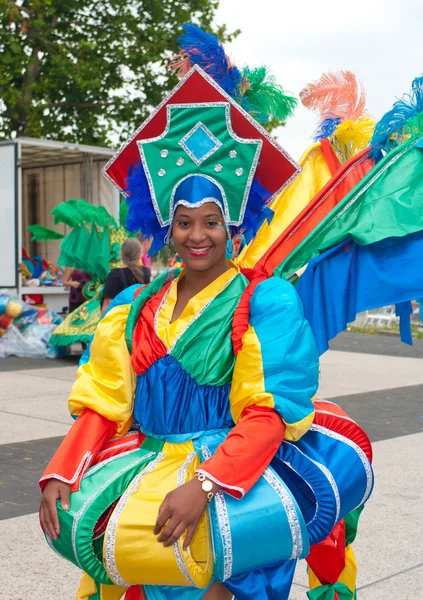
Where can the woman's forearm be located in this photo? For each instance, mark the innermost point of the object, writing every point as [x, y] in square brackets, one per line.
[247, 451]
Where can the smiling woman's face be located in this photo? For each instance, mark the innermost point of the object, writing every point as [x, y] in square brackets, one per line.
[199, 236]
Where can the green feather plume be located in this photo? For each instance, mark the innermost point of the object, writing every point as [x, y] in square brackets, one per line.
[44, 234]
[263, 98]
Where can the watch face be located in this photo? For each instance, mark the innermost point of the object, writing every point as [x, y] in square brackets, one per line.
[207, 486]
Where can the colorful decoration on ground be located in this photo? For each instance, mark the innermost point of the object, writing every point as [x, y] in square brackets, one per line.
[25, 329]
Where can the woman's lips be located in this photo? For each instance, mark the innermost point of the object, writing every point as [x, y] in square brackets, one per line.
[198, 252]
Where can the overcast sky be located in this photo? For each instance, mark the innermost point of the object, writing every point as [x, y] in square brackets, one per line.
[380, 40]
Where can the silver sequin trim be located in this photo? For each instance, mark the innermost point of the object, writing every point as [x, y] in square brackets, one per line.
[218, 168]
[249, 118]
[161, 172]
[94, 496]
[164, 153]
[50, 543]
[239, 171]
[82, 465]
[224, 525]
[222, 191]
[258, 143]
[366, 463]
[328, 476]
[232, 154]
[182, 471]
[209, 134]
[180, 162]
[328, 412]
[101, 464]
[110, 559]
[191, 205]
[290, 510]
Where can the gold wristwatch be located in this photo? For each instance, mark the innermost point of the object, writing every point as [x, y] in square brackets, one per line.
[206, 486]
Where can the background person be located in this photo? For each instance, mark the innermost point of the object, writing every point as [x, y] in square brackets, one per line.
[130, 274]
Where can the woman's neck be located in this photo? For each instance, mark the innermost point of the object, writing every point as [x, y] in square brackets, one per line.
[195, 281]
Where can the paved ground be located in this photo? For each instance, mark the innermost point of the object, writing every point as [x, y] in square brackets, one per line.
[375, 378]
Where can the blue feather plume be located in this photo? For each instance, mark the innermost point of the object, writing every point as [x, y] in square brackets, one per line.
[256, 212]
[206, 51]
[141, 215]
[326, 128]
[389, 130]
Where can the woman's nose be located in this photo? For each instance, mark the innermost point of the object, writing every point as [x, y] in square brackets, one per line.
[197, 233]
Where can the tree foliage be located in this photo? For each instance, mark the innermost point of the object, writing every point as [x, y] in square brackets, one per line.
[88, 70]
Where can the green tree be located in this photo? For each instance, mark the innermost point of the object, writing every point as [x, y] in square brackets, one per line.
[84, 70]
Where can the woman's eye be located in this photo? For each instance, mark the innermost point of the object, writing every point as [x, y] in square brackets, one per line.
[183, 224]
[214, 223]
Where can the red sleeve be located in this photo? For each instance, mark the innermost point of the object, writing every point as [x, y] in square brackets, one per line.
[247, 451]
[78, 450]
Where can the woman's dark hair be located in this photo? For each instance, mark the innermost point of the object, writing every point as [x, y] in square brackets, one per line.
[130, 253]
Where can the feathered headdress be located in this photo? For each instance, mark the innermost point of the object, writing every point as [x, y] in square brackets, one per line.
[203, 143]
[340, 101]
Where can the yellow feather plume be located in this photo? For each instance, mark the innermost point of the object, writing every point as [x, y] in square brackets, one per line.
[350, 137]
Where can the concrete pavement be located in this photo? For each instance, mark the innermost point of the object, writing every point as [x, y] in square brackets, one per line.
[383, 392]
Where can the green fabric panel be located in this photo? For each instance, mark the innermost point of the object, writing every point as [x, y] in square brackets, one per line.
[87, 249]
[205, 349]
[98, 490]
[62, 341]
[43, 234]
[160, 158]
[327, 592]
[387, 202]
[351, 525]
[145, 295]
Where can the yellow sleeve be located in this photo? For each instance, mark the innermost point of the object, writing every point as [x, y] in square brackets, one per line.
[106, 383]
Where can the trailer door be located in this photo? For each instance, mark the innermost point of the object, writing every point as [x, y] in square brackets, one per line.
[8, 217]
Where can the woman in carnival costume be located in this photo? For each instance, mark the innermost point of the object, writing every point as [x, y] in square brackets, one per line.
[199, 390]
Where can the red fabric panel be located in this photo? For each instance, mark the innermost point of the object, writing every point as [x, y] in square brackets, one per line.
[117, 445]
[331, 416]
[273, 170]
[330, 156]
[247, 451]
[328, 197]
[327, 559]
[242, 312]
[147, 348]
[84, 439]
[134, 593]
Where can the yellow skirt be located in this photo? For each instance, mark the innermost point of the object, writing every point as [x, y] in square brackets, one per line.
[132, 554]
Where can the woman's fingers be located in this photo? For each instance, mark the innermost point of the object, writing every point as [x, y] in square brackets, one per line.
[190, 534]
[47, 523]
[164, 515]
[174, 537]
[52, 514]
[168, 530]
[64, 498]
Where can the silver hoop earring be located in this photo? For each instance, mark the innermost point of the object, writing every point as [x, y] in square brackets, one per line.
[171, 245]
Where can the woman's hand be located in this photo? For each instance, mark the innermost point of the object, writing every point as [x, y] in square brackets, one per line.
[181, 510]
[49, 520]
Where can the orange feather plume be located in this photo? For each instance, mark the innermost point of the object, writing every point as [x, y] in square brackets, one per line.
[335, 95]
[180, 64]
